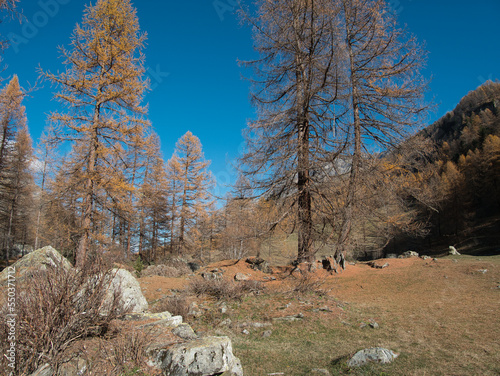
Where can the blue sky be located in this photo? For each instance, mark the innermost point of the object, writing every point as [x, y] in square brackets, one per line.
[192, 52]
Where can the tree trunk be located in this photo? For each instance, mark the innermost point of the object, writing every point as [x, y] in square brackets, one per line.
[343, 240]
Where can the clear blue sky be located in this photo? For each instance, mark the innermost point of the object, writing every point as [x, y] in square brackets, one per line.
[192, 52]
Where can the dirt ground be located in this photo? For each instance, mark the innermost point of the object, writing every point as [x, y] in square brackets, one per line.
[441, 314]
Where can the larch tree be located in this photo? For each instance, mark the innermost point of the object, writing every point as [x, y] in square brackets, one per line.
[382, 85]
[16, 180]
[153, 201]
[194, 183]
[102, 89]
[295, 92]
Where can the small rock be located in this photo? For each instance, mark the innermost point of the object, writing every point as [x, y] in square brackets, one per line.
[245, 332]
[425, 257]
[455, 260]
[325, 309]
[373, 355]
[410, 254]
[267, 333]
[241, 277]
[483, 271]
[226, 322]
[453, 251]
[362, 325]
[184, 331]
[319, 372]
[374, 325]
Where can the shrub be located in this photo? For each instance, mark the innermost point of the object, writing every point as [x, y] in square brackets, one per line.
[177, 305]
[161, 270]
[55, 308]
[307, 283]
[224, 289]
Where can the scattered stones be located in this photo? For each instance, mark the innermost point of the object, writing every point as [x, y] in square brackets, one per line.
[297, 317]
[226, 322]
[452, 251]
[483, 271]
[408, 254]
[258, 263]
[372, 355]
[212, 275]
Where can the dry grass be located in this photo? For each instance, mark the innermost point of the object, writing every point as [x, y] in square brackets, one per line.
[442, 317]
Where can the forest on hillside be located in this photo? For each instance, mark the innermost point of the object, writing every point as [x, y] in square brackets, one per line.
[336, 161]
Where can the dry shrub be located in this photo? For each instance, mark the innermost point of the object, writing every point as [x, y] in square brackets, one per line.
[177, 305]
[307, 283]
[55, 308]
[161, 270]
[124, 354]
[224, 289]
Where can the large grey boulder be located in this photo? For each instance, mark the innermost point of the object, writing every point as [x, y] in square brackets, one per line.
[131, 298]
[38, 260]
[199, 357]
[373, 355]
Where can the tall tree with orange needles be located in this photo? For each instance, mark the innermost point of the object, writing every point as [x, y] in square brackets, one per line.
[102, 89]
[194, 181]
[16, 180]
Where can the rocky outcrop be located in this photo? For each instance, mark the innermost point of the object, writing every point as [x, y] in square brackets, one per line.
[131, 298]
[203, 356]
[372, 355]
[38, 260]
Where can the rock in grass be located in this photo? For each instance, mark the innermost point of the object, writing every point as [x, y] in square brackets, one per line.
[203, 356]
[372, 355]
[319, 372]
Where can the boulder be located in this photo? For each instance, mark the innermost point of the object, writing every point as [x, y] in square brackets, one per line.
[372, 355]
[241, 277]
[329, 264]
[258, 263]
[453, 251]
[131, 299]
[36, 261]
[203, 356]
[408, 254]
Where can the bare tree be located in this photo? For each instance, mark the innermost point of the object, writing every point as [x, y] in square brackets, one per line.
[383, 86]
[295, 93]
